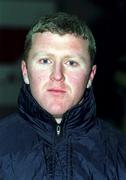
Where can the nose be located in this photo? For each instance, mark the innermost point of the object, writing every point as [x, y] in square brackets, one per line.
[57, 73]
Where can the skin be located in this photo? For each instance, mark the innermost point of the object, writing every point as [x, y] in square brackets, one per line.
[58, 70]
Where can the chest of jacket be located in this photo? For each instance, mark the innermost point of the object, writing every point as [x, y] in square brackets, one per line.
[67, 159]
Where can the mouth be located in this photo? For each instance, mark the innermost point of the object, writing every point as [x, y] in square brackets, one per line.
[57, 91]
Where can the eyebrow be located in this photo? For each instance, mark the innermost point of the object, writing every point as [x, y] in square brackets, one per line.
[41, 53]
[66, 57]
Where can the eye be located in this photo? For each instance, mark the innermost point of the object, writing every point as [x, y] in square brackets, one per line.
[72, 63]
[45, 61]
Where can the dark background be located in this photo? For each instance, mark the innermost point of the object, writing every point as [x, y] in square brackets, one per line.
[107, 19]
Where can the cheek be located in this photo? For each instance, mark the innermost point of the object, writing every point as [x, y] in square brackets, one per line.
[78, 79]
[37, 84]
[37, 78]
[77, 83]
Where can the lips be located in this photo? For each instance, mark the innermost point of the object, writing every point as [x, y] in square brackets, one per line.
[57, 90]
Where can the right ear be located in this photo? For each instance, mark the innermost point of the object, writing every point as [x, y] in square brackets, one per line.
[24, 72]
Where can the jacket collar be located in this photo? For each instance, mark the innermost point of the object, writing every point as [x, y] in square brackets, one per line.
[79, 117]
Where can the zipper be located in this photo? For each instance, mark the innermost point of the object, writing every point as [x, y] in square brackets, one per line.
[58, 129]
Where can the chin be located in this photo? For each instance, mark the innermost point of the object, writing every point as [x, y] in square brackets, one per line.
[57, 112]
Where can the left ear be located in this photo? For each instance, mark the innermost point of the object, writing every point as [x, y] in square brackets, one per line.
[24, 72]
[91, 77]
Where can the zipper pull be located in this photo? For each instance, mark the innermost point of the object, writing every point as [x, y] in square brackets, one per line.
[58, 130]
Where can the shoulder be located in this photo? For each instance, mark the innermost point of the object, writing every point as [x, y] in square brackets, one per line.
[114, 140]
[10, 118]
[116, 147]
[112, 134]
[10, 123]
[15, 133]
[110, 131]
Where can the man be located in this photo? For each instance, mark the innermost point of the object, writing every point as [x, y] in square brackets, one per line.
[56, 134]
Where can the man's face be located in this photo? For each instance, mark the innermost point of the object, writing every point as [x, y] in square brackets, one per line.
[58, 70]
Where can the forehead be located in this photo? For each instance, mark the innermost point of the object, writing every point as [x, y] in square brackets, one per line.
[59, 46]
[61, 41]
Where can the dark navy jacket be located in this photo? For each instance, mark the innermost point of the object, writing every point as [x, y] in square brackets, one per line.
[82, 147]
